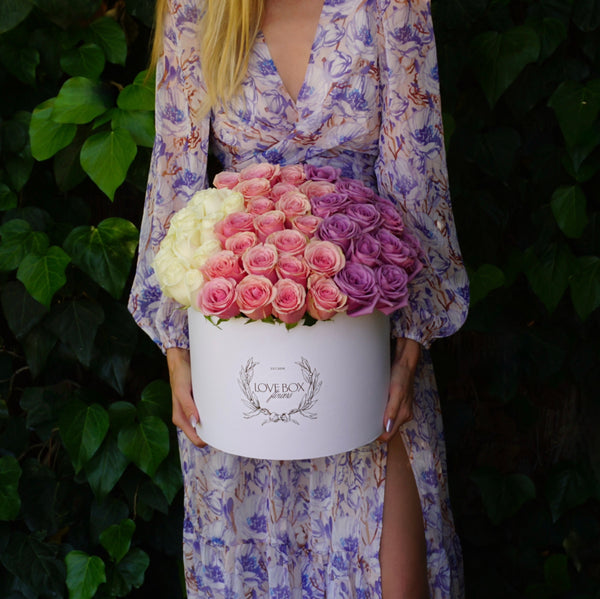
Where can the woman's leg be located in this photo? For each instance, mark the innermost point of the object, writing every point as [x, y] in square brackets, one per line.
[402, 554]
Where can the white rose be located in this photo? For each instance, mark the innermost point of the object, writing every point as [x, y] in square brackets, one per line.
[204, 252]
[233, 201]
[181, 283]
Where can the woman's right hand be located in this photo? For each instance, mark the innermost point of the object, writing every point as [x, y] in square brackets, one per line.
[185, 414]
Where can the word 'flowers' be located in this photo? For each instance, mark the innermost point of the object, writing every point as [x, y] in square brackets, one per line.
[287, 242]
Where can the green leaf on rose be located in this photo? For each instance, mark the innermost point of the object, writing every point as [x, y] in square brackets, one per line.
[106, 157]
[85, 574]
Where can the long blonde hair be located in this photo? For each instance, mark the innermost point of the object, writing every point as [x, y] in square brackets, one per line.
[228, 31]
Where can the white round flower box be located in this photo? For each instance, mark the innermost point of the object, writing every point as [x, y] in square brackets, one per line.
[264, 391]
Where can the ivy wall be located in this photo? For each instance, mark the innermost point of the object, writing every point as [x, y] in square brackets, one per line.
[90, 490]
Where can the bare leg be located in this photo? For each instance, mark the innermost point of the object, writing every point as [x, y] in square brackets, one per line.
[403, 553]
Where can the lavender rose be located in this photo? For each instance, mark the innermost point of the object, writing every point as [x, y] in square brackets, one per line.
[356, 191]
[391, 282]
[338, 229]
[358, 282]
[366, 216]
[365, 250]
[328, 204]
[401, 253]
[321, 173]
[390, 215]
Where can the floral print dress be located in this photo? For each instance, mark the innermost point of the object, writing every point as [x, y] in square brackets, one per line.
[369, 105]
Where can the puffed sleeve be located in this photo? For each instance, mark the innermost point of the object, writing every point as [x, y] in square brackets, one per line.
[411, 168]
[177, 169]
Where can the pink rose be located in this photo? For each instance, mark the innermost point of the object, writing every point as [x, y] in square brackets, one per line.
[324, 298]
[293, 173]
[217, 298]
[292, 267]
[268, 223]
[289, 302]
[238, 243]
[254, 295]
[263, 170]
[225, 264]
[226, 180]
[253, 188]
[324, 257]
[288, 241]
[314, 189]
[293, 203]
[261, 260]
[233, 223]
[280, 188]
[260, 205]
[306, 224]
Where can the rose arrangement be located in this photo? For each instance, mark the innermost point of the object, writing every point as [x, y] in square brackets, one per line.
[288, 242]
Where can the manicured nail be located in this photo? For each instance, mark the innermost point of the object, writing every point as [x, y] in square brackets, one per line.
[389, 425]
[194, 422]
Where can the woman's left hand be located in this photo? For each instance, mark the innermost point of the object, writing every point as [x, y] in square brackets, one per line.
[399, 408]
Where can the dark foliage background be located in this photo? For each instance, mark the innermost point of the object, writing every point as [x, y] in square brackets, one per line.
[90, 489]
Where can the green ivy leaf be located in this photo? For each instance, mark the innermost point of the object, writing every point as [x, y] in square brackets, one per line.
[67, 165]
[548, 274]
[21, 311]
[107, 33]
[86, 60]
[8, 198]
[106, 157]
[156, 400]
[38, 344]
[80, 100]
[47, 136]
[168, 477]
[576, 107]
[116, 539]
[499, 58]
[105, 469]
[552, 32]
[569, 209]
[44, 274]
[566, 488]
[10, 502]
[121, 413]
[484, 280]
[145, 443]
[85, 574]
[139, 95]
[82, 429]
[139, 124]
[12, 12]
[75, 323]
[21, 62]
[585, 286]
[129, 573]
[40, 405]
[503, 495]
[105, 252]
[18, 240]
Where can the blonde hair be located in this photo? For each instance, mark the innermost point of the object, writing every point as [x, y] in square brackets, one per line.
[228, 31]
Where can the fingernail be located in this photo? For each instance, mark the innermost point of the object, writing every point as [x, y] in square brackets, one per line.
[194, 422]
[389, 425]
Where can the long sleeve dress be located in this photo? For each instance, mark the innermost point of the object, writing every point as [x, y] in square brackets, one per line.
[370, 105]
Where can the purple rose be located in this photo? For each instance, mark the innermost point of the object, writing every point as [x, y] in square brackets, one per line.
[338, 229]
[328, 204]
[365, 250]
[391, 217]
[366, 216]
[357, 191]
[358, 282]
[391, 281]
[321, 173]
[396, 251]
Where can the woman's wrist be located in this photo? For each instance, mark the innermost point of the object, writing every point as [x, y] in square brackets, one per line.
[407, 352]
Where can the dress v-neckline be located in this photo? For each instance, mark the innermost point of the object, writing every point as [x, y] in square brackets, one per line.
[297, 101]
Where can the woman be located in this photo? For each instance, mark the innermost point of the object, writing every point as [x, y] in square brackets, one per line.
[353, 84]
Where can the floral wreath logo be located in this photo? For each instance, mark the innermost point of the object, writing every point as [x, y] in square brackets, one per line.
[252, 403]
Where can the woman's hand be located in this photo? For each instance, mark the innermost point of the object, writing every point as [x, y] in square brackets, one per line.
[185, 414]
[399, 408]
